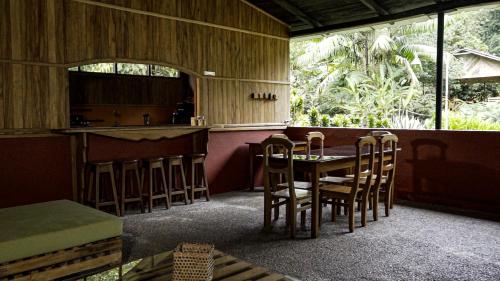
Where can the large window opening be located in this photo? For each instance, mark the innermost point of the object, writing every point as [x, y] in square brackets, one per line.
[385, 76]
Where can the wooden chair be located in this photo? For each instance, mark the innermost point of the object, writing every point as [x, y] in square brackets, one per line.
[152, 166]
[98, 169]
[295, 200]
[350, 190]
[199, 181]
[132, 192]
[310, 137]
[386, 170]
[174, 162]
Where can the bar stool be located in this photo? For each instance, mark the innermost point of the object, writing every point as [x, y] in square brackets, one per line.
[153, 166]
[130, 168]
[199, 181]
[174, 162]
[98, 168]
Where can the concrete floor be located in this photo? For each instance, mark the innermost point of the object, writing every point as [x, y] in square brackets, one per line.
[411, 244]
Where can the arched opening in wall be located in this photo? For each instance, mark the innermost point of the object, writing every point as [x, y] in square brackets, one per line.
[115, 94]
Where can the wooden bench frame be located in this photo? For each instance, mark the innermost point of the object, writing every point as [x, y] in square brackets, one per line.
[65, 263]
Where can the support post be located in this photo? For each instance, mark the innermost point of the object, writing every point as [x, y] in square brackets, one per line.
[439, 70]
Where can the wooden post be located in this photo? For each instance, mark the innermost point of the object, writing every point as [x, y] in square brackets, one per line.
[439, 70]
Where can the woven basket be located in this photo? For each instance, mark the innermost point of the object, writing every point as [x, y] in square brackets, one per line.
[193, 262]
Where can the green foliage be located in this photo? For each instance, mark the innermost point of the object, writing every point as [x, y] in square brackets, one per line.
[314, 117]
[386, 77]
[325, 120]
[460, 122]
[340, 120]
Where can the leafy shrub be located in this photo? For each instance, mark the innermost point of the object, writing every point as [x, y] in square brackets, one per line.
[460, 122]
[314, 117]
[340, 120]
[325, 120]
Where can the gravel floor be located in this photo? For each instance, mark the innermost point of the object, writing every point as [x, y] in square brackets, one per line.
[411, 244]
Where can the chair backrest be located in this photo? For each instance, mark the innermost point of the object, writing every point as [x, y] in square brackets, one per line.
[387, 147]
[378, 133]
[272, 169]
[278, 136]
[364, 165]
[310, 137]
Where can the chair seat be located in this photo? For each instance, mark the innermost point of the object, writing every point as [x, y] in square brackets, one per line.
[337, 180]
[374, 177]
[341, 189]
[299, 193]
[298, 185]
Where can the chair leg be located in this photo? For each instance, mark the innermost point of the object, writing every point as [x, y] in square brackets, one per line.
[171, 181]
[293, 219]
[165, 189]
[139, 189]
[193, 183]
[184, 185]
[303, 219]
[287, 211]
[335, 209]
[375, 205]
[267, 212]
[115, 195]
[391, 188]
[276, 210]
[364, 210]
[123, 190]
[320, 211]
[150, 205]
[97, 191]
[205, 182]
[387, 202]
[90, 189]
[351, 217]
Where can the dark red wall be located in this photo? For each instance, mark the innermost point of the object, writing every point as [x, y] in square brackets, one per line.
[227, 161]
[34, 170]
[454, 168]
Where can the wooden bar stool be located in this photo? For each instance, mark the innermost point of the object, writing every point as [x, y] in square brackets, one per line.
[199, 181]
[97, 169]
[153, 166]
[173, 162]
[132, 192]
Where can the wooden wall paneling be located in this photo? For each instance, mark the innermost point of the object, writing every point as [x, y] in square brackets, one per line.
[54, 34]
[5, 27]
[3, 89]
[75, 44]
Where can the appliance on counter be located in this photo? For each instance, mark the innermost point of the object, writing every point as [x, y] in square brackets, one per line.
[183, 113]
[78, 120]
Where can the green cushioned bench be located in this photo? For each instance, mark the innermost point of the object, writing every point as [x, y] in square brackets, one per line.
[62, 228]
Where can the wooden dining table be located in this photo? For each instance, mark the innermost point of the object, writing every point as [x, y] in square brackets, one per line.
[335, 158]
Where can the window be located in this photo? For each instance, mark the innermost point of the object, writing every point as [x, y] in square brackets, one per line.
[471, 73]
[373, 78]
[132, 68]
[158, 70]
[129, 68]
[99, 67]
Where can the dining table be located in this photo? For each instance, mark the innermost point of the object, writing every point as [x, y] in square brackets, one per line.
[335, 158]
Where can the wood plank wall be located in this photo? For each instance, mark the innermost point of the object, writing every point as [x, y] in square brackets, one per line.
[40, 39]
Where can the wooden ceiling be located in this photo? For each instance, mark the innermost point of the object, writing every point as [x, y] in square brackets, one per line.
[307, 17]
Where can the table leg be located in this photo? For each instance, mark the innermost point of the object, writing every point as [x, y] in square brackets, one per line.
[251, 154]
[315, 203]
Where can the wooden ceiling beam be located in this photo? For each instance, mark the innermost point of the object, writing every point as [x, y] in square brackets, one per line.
[298, 13]
[376, 7]
[426, 10]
